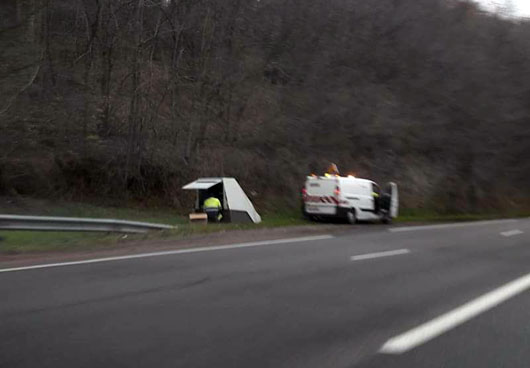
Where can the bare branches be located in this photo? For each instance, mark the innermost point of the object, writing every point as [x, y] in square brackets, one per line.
[429, 93]
[22, 90]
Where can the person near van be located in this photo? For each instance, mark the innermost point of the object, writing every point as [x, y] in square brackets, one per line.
[212, 206]
[375, 196]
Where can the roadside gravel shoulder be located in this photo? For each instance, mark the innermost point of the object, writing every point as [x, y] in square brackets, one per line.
[192, 241]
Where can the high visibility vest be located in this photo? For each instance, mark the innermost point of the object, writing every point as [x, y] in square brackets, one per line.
[212, 202]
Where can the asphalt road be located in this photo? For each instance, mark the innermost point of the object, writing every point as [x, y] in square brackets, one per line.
[450, 296]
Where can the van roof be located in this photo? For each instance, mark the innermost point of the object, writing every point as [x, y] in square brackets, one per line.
[340, 178]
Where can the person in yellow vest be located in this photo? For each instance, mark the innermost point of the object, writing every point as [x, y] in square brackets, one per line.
[212, 206]
[375, 196]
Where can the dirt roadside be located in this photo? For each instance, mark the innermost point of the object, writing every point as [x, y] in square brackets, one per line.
[204, 240]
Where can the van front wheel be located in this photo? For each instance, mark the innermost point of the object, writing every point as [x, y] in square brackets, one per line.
[350, 217]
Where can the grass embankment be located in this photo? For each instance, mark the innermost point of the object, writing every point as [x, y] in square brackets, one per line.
[422, 215]
[13, 242]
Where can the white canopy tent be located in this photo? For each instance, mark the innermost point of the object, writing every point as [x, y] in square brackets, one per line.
[236, 205]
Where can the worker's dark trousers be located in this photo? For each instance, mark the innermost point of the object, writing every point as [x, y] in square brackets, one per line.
[213, 214]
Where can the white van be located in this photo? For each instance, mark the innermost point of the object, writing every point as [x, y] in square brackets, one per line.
[349, 198]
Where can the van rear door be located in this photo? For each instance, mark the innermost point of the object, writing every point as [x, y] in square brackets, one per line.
[392, 189]
[319, 198]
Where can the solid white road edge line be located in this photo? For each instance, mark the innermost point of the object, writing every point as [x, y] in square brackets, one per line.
[380, 254]
[171, 252]
[438, 326]
[447, 226]
[512, 232]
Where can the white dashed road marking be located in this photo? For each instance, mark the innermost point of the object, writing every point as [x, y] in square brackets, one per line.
[380, 254]
[511, 232]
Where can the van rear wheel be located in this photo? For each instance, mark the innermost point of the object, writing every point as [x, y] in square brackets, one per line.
[351, 217]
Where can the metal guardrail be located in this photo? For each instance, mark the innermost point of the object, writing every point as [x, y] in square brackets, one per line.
[44, 223]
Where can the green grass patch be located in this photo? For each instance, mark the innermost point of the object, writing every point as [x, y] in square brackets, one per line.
[423, 215]
[68, 209]
[13, 242]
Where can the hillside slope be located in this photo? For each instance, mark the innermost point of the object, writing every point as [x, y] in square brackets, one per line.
[131, 99]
